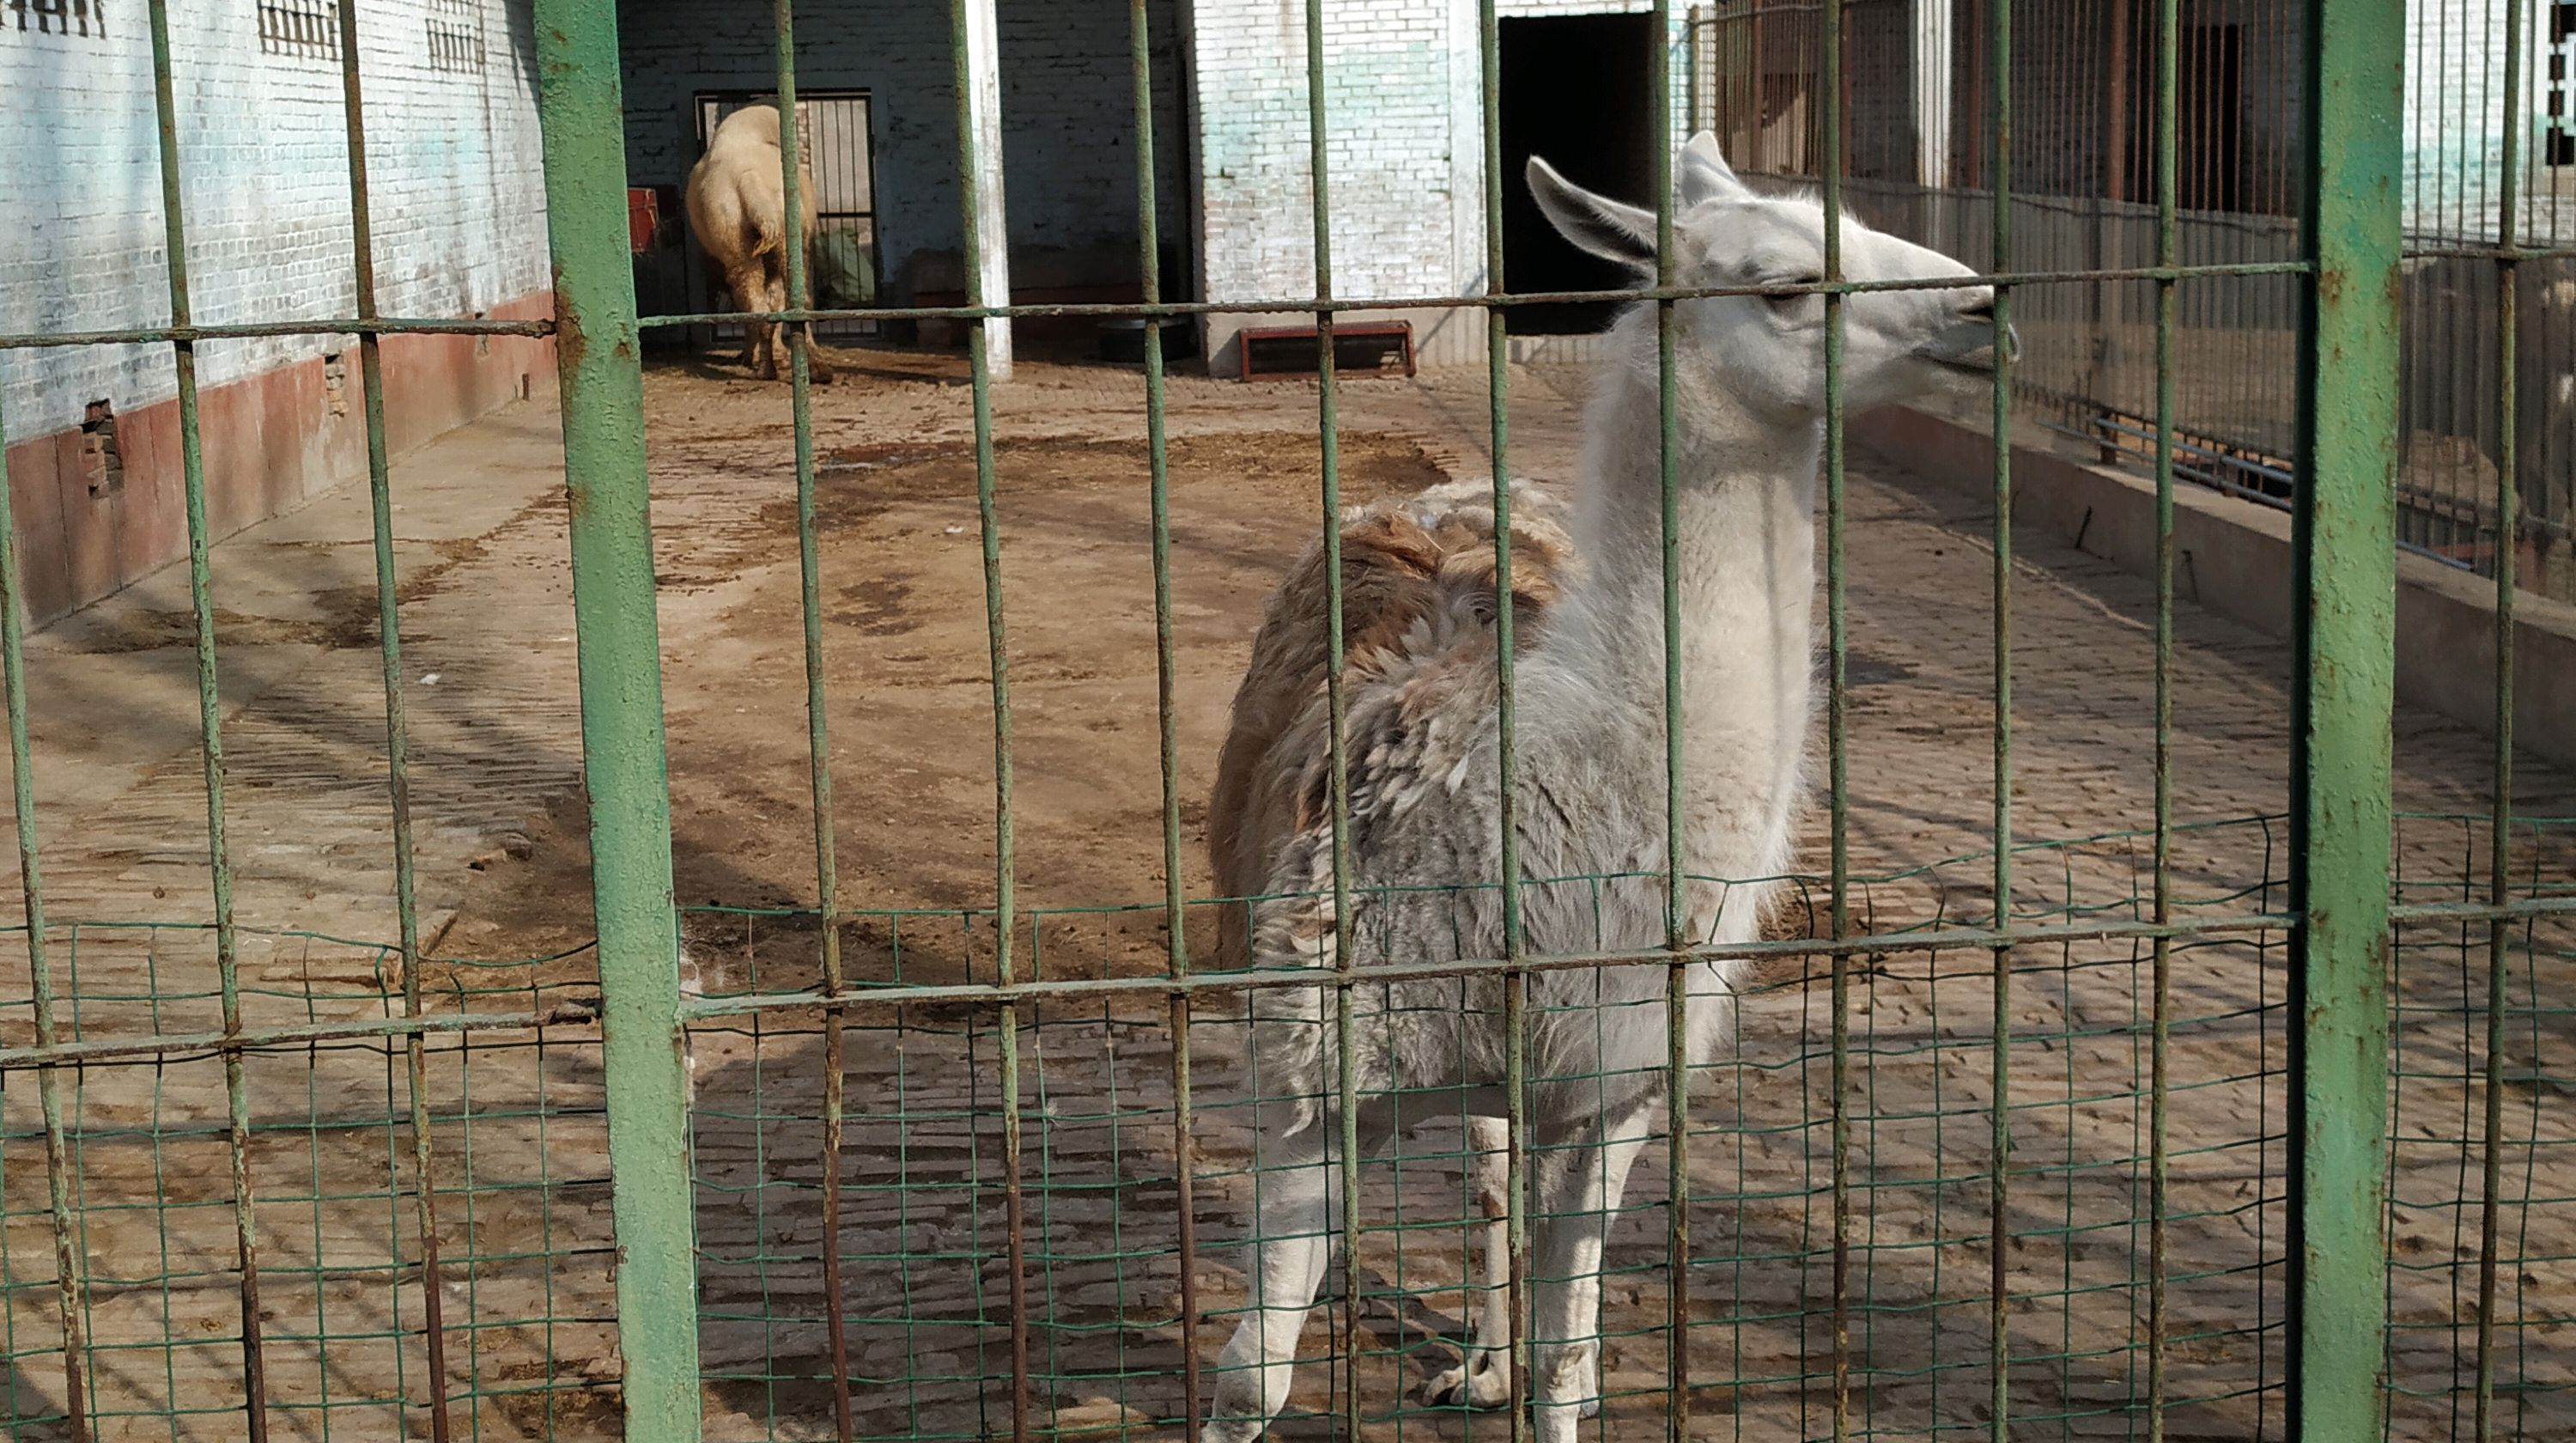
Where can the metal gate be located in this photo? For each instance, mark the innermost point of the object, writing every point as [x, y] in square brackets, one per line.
[2318, 1340]
[834, 128]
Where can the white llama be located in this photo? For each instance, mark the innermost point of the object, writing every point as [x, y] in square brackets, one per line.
[1423, 784]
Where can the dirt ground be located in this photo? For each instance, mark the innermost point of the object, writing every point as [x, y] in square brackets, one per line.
[927, 1280]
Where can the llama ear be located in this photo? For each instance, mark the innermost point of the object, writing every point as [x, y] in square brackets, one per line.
[1705, 175]
[1598, 224]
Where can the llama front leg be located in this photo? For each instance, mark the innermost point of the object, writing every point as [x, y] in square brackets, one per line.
[1580, 1189]
[1300, 1181]
[1483, 1379]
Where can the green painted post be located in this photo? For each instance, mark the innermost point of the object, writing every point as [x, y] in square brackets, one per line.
[2345, 540]
[596, 354]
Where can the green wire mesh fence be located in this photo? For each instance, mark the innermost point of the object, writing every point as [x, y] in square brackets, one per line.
[2246, 1122]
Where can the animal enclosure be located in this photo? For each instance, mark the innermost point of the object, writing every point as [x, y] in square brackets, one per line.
[2156, 1031]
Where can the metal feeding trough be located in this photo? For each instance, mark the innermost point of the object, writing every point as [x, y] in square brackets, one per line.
[1360, 348]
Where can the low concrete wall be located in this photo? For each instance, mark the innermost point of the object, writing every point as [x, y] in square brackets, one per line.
[2233, 557]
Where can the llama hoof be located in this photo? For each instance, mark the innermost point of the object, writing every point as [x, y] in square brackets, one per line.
[820, 375]
[1479, 1382]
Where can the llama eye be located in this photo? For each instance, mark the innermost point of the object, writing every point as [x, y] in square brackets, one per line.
[1785, 301]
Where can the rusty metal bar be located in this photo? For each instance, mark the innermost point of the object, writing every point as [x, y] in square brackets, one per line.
[210, 730]
[397, 726]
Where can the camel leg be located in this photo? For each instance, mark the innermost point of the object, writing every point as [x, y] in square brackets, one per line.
[749, 283]
[1483, 1378]
[1300, 1186]
[816, 368]
[1580, 1188]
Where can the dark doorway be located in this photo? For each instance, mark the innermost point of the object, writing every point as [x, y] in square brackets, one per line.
[1578, 90]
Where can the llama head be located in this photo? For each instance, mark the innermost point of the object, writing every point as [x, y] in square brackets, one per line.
[1769, 350]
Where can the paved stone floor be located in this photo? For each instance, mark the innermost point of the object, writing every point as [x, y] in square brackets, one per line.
[517, 1134]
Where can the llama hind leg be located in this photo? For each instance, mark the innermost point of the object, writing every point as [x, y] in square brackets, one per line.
[1300, 1181]
[1483, 1378]
[1580, 1191]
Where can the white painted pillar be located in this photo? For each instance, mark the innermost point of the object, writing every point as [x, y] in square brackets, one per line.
[992, 260]
[1932, 25]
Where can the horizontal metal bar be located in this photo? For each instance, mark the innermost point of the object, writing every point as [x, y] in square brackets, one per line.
[577, 1013]
[1308, 305]
[1165, 985]
[2464, 252]
[255, 1039]
[246, 330]
[1110, 310]
[2483, 911]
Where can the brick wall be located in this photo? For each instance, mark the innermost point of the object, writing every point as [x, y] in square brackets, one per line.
[1068, 102]
[1404, 146]
[460, 228]
[453, 160]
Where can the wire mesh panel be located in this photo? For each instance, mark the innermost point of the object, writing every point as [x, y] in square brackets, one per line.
[2083, 82]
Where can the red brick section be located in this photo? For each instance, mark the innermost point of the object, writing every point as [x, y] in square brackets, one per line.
[272, 441]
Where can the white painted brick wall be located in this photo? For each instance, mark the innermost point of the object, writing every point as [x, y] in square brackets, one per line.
[454, 167]
[1404, 146]
[1068, 98]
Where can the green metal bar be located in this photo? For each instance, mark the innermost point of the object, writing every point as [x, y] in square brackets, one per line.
[623, 747]
[1166, 711]
[2500, 843]
[69, 1257]
[1489, 46]
[371, 372]
[818, 735]
[2344, 543]
[1677, 1407]
[1478, 301]
[192, 470]
[1999, 1242]
[1005, 868]
[1328, 447]
[2160, 1042]
[1838, 717]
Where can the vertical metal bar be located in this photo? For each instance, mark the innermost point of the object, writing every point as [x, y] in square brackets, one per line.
[1998, 1321]
[210, 730]
[1328, 443]
[1489, 45]
[979, 361]
[397, 724]
[1838, 715]
[2160, 1085]
[1166, 712]
[1676, 908]
[2500, 843]
[69, 1261]
[2344, 535]
[818, 735]
[623, 751]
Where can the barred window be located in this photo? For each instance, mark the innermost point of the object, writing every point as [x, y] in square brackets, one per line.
[55, 17]
[456, 35]
[309, 28]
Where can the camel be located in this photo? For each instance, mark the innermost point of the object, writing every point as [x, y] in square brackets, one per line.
[1423, 788]
[737, 202]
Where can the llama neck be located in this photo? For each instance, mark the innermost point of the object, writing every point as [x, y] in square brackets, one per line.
[1745, 563]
